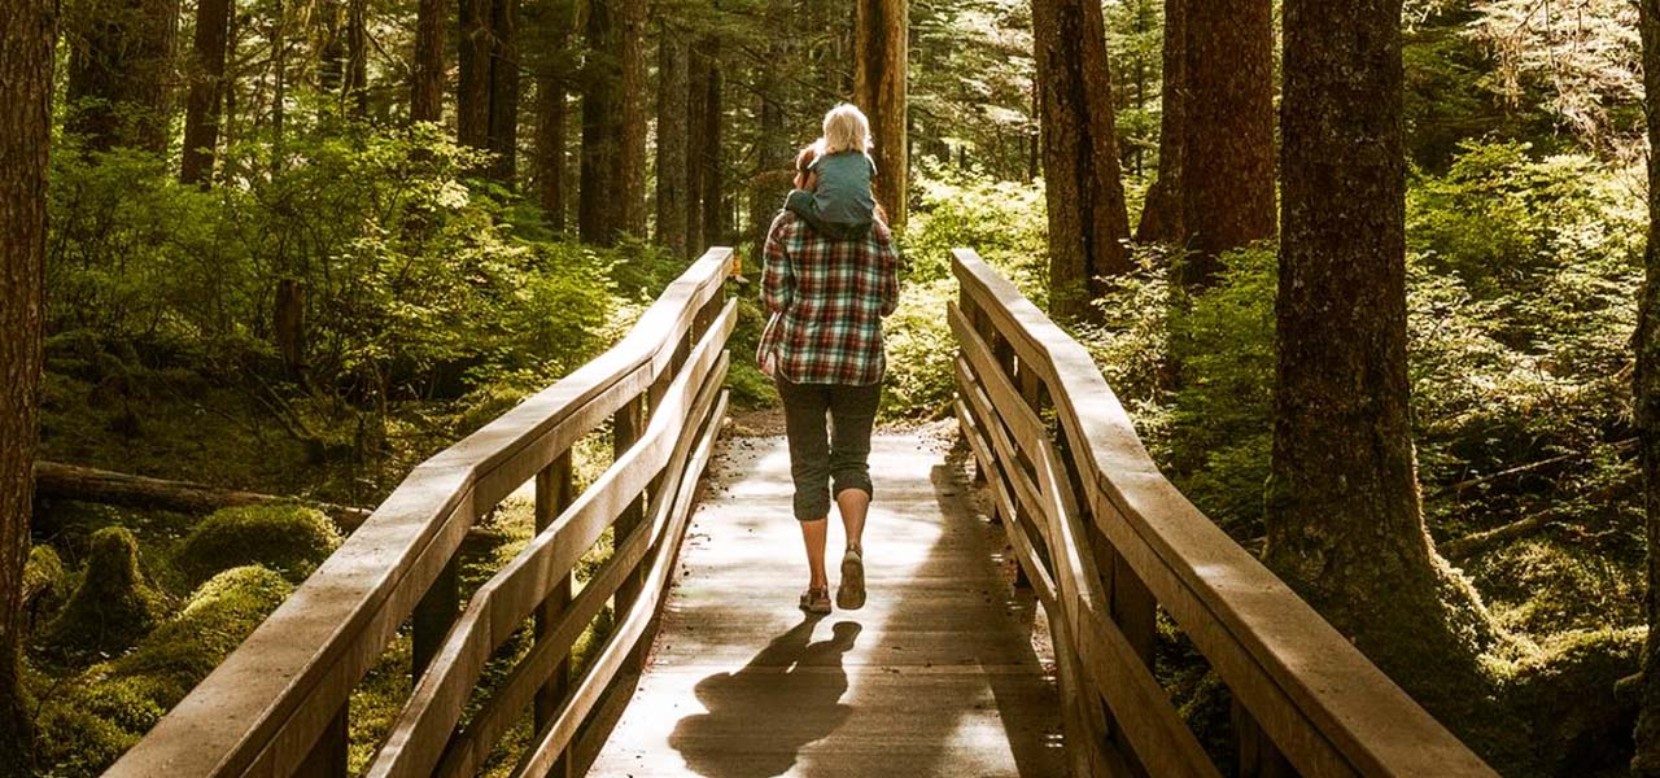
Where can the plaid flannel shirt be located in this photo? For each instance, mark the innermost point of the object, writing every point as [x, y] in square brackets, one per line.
[827, 299]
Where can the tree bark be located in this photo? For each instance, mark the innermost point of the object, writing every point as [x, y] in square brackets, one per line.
[1088, 223]
[426, 98]
[1646, 396]
[119, 73]
[504, 91]
[596, 216]
[1227, 178]
[552, 111]
[882, 40]
[472, 99]
[27, 34]
[207, 76]
[672, 169]
[1161, 215]
[700, 67]
[631, 152]
[773, 172]
[717, 218]
[1344, 522]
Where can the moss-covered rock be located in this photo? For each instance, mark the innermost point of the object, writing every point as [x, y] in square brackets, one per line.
[290, 539]
[113, 607]
[221, 613]
[1565, 693]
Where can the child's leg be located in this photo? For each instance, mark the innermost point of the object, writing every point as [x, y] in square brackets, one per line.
[802, 203]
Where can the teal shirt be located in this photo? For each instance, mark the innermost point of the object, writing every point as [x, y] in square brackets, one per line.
[842, 208]
[843, 195]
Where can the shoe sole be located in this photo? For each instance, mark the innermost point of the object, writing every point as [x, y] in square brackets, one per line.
[850, 595]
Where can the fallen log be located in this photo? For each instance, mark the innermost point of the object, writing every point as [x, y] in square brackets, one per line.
[72, 482]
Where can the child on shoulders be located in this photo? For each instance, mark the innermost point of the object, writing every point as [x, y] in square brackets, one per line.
[837, 201]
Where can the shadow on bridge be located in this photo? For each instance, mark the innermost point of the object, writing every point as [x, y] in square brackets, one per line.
[789, 695]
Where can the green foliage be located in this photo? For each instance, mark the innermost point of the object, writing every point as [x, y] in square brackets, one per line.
[289, 539]
[113, 606]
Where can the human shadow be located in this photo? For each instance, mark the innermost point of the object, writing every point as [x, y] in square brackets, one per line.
[760, 717]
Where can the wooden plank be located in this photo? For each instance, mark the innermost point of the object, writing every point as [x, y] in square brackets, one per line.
[1374, 725]
[1042, 585]
[554, 493]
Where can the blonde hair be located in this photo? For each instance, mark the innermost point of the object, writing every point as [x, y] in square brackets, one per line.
[845, 129]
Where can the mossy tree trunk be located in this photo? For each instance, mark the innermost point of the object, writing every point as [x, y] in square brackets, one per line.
[1088, 223]
[1646, 392]
[27, 32]
[881, 43]
[1227, 165]
[503, 134]
[1344, 521]
[550, 23]
[472, 98]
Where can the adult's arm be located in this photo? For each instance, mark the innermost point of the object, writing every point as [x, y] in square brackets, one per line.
[888, 259]
[777, 279]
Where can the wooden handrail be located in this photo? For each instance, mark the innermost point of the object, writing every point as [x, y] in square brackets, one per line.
[277, 705]
[1105, 538]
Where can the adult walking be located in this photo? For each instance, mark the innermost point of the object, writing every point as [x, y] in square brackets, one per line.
[823, 347]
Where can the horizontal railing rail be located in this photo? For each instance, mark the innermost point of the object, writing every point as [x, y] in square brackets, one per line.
[278, 704]
[1104, 540]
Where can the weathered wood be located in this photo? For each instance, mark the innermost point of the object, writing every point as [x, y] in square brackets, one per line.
[554, 493]
[73, 482]
[495, 611]
[1318, 698]
[264, 707]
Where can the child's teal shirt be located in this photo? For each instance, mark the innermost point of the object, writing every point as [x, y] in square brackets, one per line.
[842, 207]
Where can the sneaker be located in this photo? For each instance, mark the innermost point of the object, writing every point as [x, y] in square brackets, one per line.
[816, 600]
[850, 595]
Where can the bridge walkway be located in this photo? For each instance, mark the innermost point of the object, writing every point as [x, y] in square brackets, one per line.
[936, 675]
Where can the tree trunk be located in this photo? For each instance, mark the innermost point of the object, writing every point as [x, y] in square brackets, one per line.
[554, 19]
[716, 218]
[1345, 527]
[1646, 396]
[26, 54]
[356, 88]
[472, 99]
[596, 217]
[701, 67]
[1227, 178]
[773, 172]
[120, 71]
[882, 35]
[1161, 215]
[672, 170]
[504, 91]
[1088, 223]
[207, 76]
[631, 151]
[71, 482]
[426, 98]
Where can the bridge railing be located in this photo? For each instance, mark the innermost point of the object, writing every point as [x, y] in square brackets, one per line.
[278, 705]
[1104, 540]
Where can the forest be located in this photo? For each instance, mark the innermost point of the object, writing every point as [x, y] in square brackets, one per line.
[260, 258]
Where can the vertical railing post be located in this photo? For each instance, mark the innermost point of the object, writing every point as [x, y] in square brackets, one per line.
[554, 494]
[329, 757]
[626, 426]
[1258, 756]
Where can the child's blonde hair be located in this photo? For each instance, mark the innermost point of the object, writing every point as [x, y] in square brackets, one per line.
[845, 129]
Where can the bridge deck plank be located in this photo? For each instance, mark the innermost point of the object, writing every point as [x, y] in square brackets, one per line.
[936, 675]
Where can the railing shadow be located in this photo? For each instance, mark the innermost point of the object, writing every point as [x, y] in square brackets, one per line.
[759, 718]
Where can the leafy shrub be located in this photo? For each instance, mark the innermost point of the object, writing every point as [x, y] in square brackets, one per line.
[290, 539]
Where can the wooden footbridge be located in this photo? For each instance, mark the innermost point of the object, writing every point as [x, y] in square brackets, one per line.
[709, 670]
